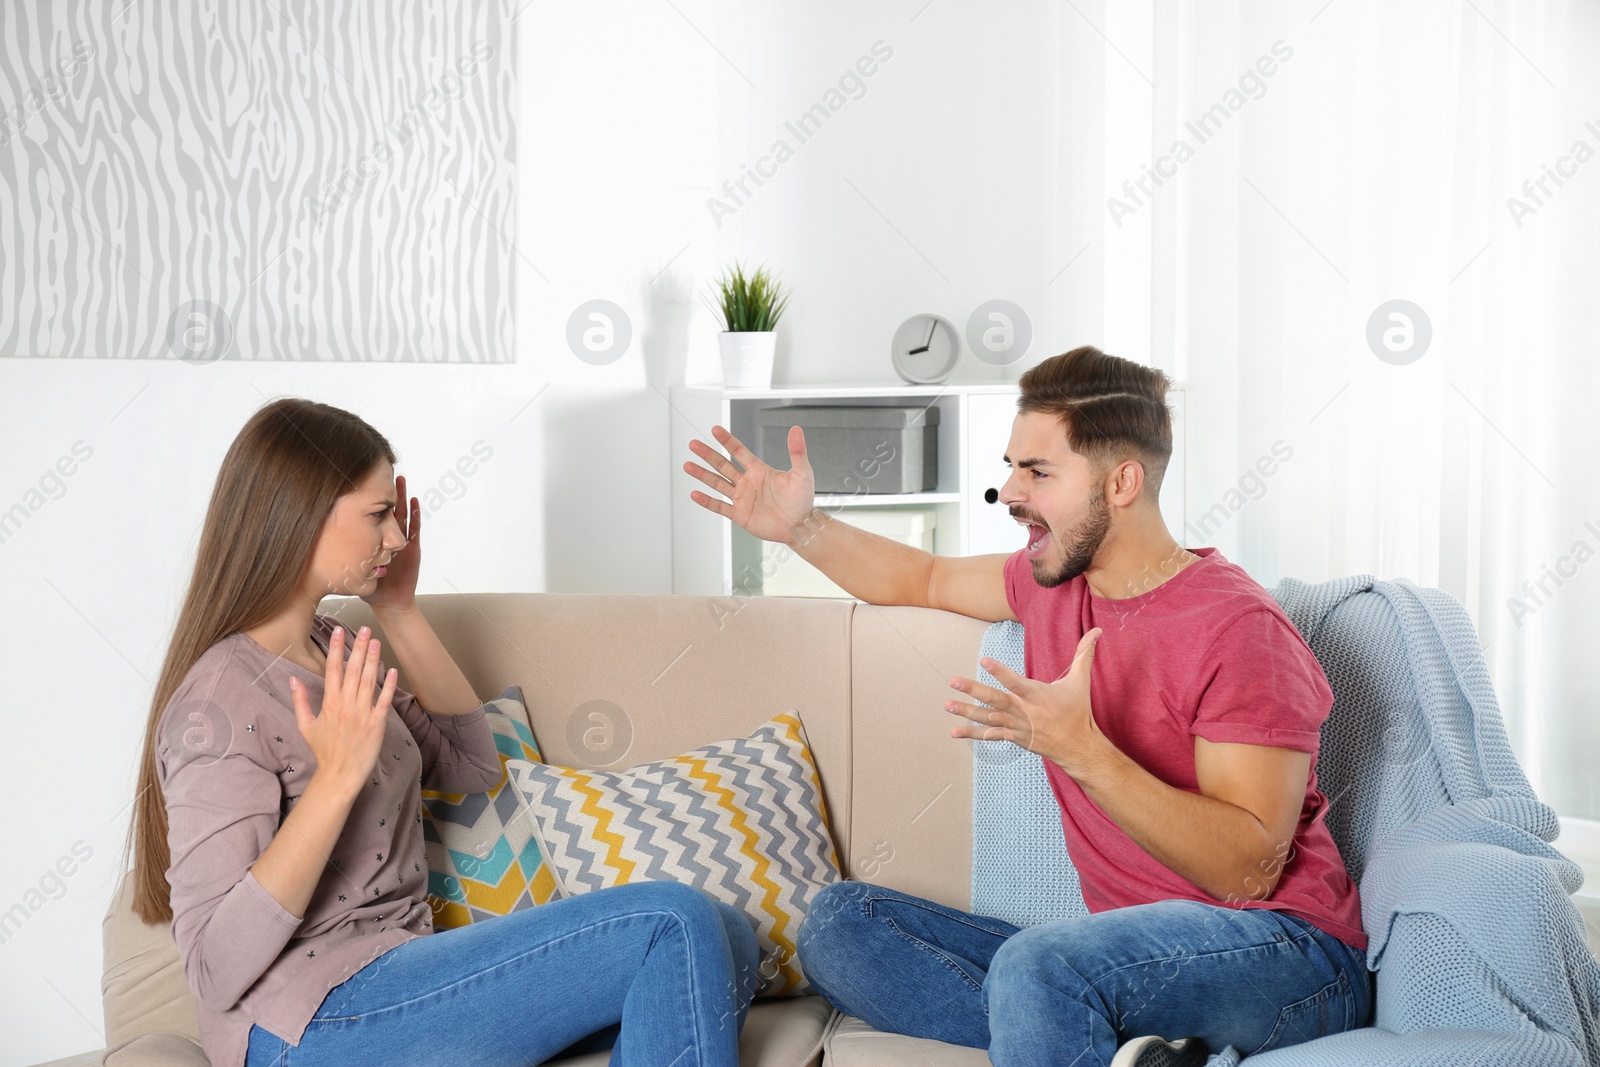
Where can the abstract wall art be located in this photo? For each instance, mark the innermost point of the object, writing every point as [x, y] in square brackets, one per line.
[272, 180]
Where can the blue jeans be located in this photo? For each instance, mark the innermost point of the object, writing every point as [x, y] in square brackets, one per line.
[1071, 991]
[658, 971]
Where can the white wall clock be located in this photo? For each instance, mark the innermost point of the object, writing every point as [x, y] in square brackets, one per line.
[925, 349]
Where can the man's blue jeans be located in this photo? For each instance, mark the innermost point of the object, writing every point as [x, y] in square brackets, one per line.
[1071, 991]
[658, 971]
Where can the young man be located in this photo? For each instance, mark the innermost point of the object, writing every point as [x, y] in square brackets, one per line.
[1177, 711]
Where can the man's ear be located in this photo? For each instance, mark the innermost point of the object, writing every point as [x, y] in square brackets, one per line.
[1127, 480]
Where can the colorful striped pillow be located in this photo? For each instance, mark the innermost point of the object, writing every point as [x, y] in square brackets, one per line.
[483, 860]
[742, 819]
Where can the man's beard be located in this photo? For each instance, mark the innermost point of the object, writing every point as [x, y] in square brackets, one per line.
[1079, 546]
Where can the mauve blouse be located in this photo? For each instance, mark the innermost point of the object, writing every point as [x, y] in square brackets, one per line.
[232, 764]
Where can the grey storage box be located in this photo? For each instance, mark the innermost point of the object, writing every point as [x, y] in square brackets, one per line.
[856, 448]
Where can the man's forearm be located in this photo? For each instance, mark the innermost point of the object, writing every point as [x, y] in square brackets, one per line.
[872, 568]
[435, 679]
[1220, 847]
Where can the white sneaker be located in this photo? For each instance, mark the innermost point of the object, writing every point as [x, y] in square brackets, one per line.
[1154, 1052]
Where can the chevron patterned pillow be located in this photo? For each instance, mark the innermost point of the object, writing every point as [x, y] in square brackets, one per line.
[483, 860]
[742, 819]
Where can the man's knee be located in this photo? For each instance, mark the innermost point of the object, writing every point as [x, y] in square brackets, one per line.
[834, 909]
[833, 923]
[1029, 959]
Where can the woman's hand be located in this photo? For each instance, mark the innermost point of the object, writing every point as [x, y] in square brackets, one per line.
[346, 735]
[397, 589]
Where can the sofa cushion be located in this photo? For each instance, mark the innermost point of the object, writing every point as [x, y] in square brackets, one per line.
[777, 1033]
[157, 1050]
[96, 1058]
[852, 1043]
[742, 819]
[483, 860]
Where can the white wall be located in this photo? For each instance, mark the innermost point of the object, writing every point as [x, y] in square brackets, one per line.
[969, 170]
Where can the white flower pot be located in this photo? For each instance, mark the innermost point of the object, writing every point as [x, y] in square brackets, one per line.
[747, 358]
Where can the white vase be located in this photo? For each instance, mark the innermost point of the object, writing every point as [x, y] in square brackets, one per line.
[747, 358]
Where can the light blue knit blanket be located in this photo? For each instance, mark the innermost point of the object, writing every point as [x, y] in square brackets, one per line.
[1480, 952]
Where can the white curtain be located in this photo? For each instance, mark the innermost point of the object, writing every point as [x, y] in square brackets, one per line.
[1376, 162]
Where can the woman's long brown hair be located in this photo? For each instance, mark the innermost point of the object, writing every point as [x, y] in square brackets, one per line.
[275, 490]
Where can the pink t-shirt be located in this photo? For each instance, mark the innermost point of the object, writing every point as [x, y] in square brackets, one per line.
[1207, 653]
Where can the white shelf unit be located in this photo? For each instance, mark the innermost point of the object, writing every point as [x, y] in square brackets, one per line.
[709, 552]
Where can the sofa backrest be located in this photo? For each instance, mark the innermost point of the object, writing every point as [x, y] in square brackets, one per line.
[910, 781]
[616, 680]
[676, 672]
[142, 986]
[612, 681]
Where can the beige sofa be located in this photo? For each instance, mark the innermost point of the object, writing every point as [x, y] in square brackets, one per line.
[869, 683]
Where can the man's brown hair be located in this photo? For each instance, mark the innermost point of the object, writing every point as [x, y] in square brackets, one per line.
[1112, 409]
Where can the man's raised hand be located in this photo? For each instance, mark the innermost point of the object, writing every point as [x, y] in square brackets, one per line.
[768, 503]
[1054, 719]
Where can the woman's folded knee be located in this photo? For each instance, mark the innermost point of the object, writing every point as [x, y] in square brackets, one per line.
[697, 908]
[687, 904]
[670, 895]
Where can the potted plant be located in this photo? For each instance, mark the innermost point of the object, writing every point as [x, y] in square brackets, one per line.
[749, 305]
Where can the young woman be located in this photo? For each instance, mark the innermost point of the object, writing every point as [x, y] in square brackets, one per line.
[278, 823]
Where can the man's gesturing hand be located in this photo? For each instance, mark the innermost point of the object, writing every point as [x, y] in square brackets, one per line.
[769, 504]
[1054, 719]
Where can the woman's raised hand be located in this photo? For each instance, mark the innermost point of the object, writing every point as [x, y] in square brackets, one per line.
[346, 735]
[770, 504]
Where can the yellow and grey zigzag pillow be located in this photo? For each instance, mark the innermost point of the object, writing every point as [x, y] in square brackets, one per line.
[743, 820]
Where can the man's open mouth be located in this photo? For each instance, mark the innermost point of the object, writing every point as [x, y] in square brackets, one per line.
[1038, 537]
